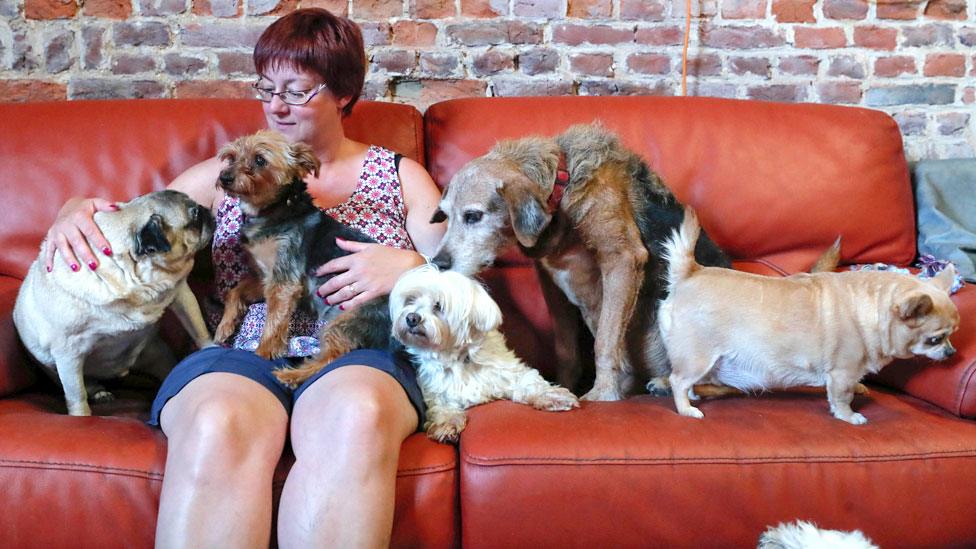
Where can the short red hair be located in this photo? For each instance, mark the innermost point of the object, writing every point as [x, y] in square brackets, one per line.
[315, 40]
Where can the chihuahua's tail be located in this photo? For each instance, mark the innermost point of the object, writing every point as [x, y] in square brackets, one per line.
[679, 250]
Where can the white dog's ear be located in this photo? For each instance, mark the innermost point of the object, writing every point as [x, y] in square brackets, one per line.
[945, 279]
[527, 211]
[485, 315]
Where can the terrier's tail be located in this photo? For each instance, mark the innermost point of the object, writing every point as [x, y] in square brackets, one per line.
[679, 250]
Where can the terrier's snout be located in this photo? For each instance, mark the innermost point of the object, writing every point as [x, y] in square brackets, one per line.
[413, 319]
[226, 178]
[443, 261]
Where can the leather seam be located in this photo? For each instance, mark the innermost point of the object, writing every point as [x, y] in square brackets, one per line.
[964, 382]
[67, 466]
[32, 464]
[716, 461]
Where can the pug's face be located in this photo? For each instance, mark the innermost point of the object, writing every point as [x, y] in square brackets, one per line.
[163, 228]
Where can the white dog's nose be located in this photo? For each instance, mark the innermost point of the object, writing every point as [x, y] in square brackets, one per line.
[413, 319]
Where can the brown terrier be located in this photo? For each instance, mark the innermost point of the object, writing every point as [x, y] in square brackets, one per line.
[286, 236]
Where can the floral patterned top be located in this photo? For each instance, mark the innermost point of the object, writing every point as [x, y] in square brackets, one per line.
[376, 208]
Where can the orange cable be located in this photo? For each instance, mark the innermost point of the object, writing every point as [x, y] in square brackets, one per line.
[684, 51]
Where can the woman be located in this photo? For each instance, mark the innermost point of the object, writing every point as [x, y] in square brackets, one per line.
[225, 417]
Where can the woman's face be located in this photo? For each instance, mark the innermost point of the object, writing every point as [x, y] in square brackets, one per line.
[299, 122]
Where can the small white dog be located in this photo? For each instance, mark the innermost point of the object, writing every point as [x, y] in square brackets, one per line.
[449, 324]
[804, 535]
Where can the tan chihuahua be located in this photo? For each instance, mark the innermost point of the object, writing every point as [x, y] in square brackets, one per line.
[828, 330]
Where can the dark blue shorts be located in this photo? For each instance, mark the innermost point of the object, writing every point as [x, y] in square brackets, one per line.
[251, 366]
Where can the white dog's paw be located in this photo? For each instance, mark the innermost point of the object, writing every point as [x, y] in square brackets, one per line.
[556, 399]
[691, 411]
[448, 429]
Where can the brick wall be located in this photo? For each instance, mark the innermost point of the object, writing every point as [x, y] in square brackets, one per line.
[916, 60]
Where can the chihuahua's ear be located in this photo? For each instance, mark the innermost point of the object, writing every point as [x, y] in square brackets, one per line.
[945, 279]
[305, 159]
[439, 216]
[527, 211]
[914, 306]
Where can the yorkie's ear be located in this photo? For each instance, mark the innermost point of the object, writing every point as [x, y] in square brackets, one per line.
[305, 159]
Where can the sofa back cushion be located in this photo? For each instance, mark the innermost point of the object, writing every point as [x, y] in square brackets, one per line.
[774, 184]
[119, 149]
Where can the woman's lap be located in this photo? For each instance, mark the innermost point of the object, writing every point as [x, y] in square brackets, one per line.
[260, 370]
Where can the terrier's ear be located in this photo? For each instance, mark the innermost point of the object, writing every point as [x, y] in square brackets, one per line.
[439, 216]
[914, 307]
[305, 159]
[945, 279]
[526, 210]
[227, 153]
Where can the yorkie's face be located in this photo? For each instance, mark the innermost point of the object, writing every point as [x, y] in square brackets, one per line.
[441, 311]
[259, 165]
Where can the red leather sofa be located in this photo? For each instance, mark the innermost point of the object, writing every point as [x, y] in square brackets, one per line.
[774, 184]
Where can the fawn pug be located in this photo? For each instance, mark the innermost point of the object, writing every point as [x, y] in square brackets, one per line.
[755, 332]
[449, 324]
[95, 325]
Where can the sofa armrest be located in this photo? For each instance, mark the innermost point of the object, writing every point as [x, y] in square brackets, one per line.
[14, 376]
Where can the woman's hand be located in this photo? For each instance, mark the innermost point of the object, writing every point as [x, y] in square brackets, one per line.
[74, 229]
[369, 271]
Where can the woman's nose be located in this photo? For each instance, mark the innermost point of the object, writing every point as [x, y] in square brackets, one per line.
[277, 106]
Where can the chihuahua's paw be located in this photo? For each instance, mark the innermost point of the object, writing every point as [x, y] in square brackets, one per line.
[556, 399]
[854, 419]
[659, 386]
[691, 411]
[448, 429]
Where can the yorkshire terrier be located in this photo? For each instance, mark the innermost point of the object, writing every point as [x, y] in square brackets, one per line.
[287, 238]
[449, 325]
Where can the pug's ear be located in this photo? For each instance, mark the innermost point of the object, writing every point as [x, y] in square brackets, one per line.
[945, 279]
[914, 307]
[151, 239]
[305, 159]
[527, 212]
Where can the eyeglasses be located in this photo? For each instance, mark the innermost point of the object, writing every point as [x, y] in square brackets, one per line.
[295, 98]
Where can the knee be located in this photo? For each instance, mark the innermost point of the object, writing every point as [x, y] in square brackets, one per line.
[224, 429]
[358, 414]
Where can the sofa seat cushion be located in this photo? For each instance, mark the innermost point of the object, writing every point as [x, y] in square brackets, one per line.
[102, 475]
[636, 474]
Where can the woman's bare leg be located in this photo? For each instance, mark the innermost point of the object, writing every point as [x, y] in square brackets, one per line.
[346, 432]
[225, 437]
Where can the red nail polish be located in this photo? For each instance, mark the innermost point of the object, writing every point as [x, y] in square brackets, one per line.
[114, 206]
[74, 267]
[342, 307]
[92, 265]
[48, 269]
[107, 251]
